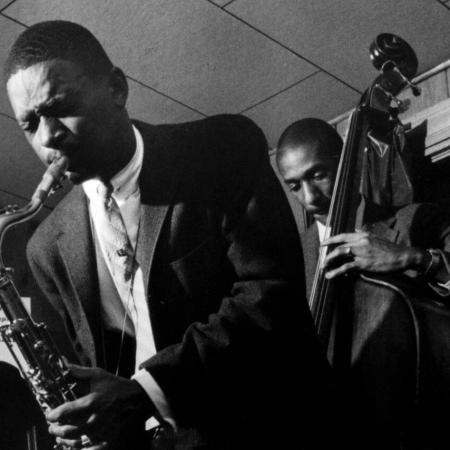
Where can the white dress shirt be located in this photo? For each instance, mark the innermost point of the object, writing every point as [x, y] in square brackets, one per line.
[127, 310]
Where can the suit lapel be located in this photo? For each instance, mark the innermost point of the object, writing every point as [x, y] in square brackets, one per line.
[151, 221]
[158, 181]
[76, 248]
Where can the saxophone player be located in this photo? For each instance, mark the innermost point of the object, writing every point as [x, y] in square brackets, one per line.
[173, 261]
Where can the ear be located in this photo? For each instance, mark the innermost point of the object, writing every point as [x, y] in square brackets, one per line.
[118, 86]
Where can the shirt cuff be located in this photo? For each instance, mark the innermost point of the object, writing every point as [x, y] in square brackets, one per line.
[164, 414]
[443, 289]
[440, 281]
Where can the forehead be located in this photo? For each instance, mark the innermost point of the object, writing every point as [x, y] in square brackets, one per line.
[29, 87]
[297, 160]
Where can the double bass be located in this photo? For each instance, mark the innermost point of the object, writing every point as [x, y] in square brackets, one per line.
[388, 337]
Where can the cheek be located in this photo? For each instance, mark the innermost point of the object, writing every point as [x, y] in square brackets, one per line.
[41, 152]
[88, 129]
[299, 197]
[327, 188]
[76, 125]
[83, 131]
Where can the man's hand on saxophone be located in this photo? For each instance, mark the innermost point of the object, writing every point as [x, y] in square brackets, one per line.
[109, 407]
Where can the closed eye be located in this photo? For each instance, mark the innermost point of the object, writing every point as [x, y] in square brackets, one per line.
[30, 124]
[58, 109]
[319, 175]
[294, 187]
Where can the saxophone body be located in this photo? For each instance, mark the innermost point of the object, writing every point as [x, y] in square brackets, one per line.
[30, 344]
[33, 349]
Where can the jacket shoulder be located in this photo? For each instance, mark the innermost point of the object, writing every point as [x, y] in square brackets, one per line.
[220, 135]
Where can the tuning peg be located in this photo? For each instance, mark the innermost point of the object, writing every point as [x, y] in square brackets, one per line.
[414, 88]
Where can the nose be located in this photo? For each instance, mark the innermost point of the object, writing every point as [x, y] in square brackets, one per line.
[310, 193]
[51, 132]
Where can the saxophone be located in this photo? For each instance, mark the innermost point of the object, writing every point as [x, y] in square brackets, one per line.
[30, 344]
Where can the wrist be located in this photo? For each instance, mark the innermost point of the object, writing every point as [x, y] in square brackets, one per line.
[427, 261]
[142, 401]
[420, 260]
[434, 261]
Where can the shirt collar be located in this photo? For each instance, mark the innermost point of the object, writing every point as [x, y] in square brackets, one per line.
[125, 182]
[323, 230]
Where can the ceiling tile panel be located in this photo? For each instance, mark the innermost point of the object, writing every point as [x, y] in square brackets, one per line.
[319, 96]
[190, 49]
[221, 2]
[336, 34]
[149, 106]
[10, 30]
[4, 3]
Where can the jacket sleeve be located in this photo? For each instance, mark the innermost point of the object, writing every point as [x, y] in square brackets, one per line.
[248, 351]
[428, 227]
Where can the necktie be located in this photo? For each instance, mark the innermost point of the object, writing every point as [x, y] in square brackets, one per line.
[116, 242]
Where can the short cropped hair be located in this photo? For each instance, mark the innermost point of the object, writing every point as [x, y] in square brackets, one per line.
[57, 39]
[310, 131]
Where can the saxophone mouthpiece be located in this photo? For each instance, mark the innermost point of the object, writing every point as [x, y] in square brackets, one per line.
[51, 178]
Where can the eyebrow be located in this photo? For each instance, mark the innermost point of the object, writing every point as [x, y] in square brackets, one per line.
[53, 101]
[308, 173]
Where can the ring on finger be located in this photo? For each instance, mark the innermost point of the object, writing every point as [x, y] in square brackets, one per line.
[85, 441]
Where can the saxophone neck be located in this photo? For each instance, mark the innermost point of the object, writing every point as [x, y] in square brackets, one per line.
[50, 180]
[12, 215]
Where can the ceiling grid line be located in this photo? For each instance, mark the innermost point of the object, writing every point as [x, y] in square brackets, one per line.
[447, 82]
[21, 197]
[279, 92]
[223, 6]
[11, 18]
[220, 5]
[8, 5]
[445, 3]
[287, 48]
[7, 116]
[166, 96]
[13, 194]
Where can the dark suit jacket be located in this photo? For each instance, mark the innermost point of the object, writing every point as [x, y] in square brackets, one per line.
[222, 266]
